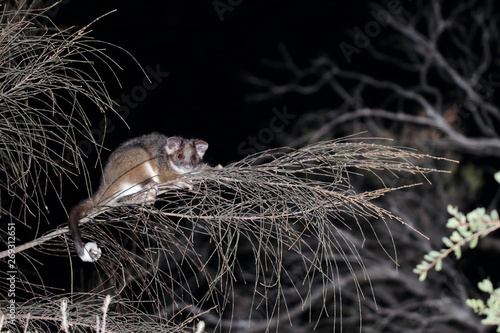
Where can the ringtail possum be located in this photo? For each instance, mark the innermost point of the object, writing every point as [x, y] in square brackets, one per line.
[136, 165]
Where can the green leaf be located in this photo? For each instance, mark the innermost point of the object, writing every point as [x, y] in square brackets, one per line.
[456, 237]
[494, 215]
[439, 265]
[464, 231]
[497, 177]
[476, 304]
[458, 252]
[473, 242]
[479, 213]
[422, 265]
[452, 210]
[485, 286]
[447, 242]
[452, 223]
[434, 254]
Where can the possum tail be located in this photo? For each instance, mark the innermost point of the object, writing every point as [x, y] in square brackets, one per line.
[89, 252]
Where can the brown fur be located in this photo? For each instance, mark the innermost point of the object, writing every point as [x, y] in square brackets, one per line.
[138, 164]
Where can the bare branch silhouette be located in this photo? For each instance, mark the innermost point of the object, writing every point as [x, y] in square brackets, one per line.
[283, 237]
[427, 76]
[444, 60]
[284, 225]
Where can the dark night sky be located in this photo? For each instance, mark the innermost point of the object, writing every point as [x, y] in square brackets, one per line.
[204, 94]
[205, 57]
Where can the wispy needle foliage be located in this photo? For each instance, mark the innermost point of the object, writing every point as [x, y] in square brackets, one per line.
[48, 84]
[286, 228]
[278, 225]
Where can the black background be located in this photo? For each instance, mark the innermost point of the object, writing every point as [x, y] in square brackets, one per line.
[204, 95]
[206, 54]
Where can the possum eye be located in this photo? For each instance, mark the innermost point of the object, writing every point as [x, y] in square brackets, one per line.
[194, 158]
[180, 156]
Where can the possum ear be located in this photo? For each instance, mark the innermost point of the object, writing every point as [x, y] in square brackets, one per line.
[173, 144]
[201, 147]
